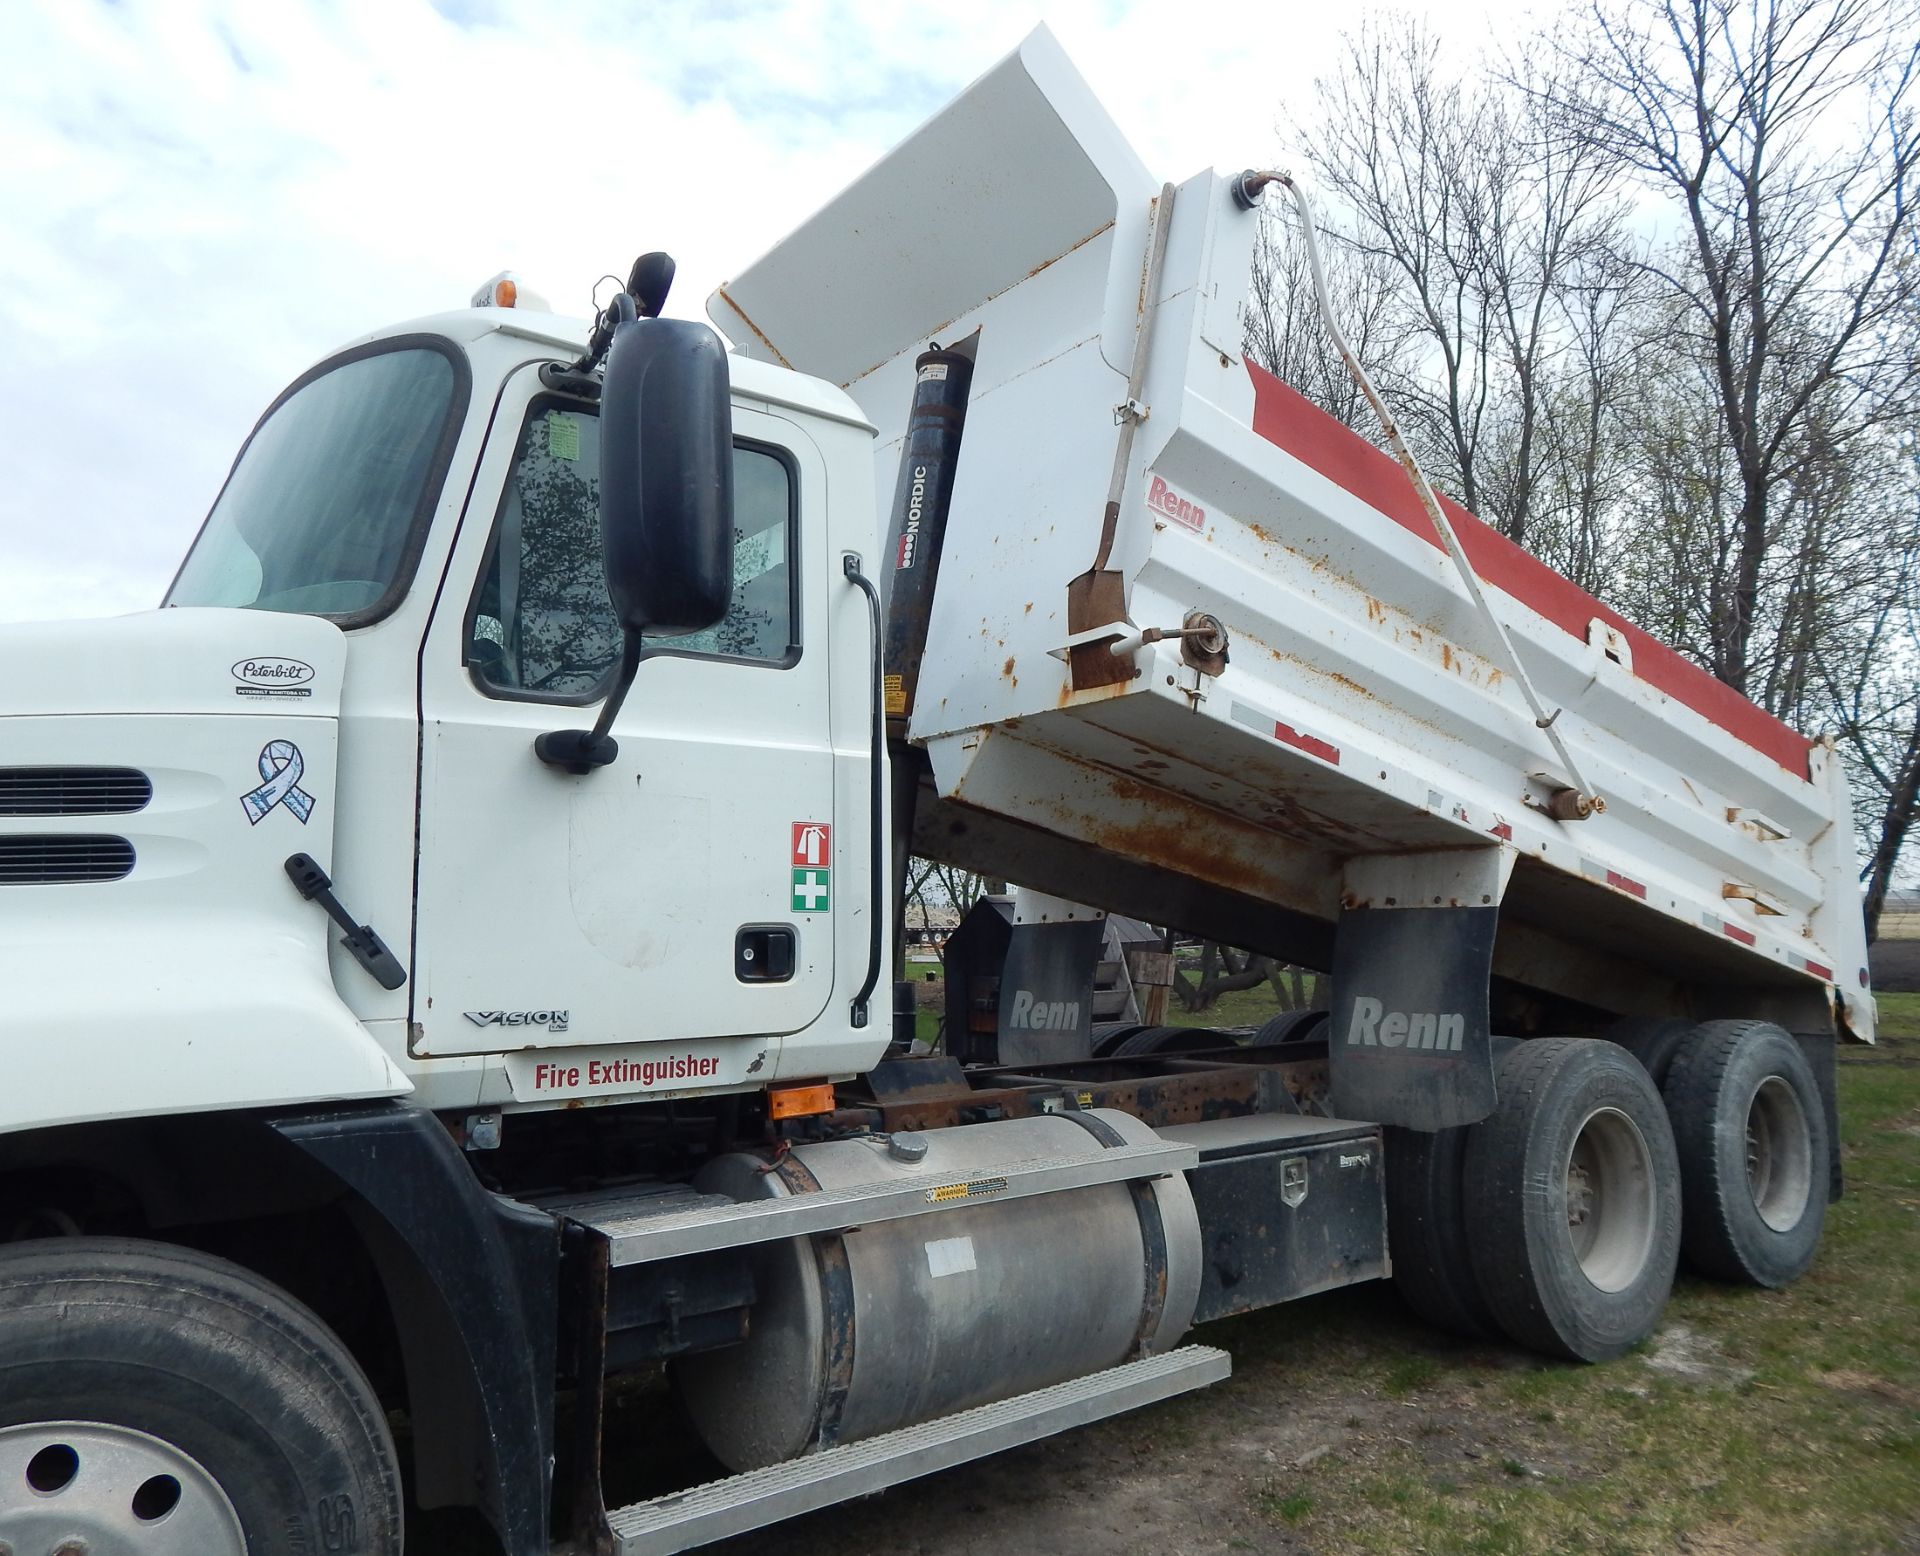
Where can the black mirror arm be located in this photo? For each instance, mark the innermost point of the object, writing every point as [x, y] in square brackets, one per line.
[620, 310]
[579, 751]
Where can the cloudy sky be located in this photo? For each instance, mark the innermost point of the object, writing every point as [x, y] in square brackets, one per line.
[200, 198]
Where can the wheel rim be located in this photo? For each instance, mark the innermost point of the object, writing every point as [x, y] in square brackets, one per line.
[1610, 1201]
[1779, 1154]
[72, 1487]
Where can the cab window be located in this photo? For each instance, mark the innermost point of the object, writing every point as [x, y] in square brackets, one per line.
[542, 626]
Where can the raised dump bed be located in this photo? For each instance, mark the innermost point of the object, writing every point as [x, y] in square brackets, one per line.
[1364, 712]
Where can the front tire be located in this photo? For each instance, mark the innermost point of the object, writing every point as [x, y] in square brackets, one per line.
[155, 1399]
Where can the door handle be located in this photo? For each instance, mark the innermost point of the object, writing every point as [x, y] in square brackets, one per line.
[764, 953]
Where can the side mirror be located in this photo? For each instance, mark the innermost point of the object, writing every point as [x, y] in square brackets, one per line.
[666, 502]
[666, 477]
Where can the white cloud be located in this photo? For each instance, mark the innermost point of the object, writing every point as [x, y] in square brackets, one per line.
[202, 197]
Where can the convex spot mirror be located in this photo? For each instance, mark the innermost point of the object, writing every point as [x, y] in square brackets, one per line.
[666, 477]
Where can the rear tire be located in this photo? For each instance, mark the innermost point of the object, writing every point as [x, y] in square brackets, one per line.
[157, 1399]
[1427, 1225]
[1751, 1130]
[1290, 1026]
[1573, 1200]
[1166, 1040]
[1653, 1040]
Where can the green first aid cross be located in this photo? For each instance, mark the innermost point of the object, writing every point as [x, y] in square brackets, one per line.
[810, 891]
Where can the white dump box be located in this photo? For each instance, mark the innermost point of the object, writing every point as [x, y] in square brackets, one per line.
[1361, 745]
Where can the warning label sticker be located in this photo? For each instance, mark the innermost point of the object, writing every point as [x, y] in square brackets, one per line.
[812, 865]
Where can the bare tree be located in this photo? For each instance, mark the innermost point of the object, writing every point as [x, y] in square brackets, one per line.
[1589, 464]
[1877, 715]
[938, 889]
[1283, 330]
[1782, 132]
[1467, 196]
[1401, 150]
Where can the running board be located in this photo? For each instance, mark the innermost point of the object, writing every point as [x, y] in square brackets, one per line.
[636, 1237]
[723, 1508]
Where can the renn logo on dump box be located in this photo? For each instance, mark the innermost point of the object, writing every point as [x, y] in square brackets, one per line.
[1164, 500]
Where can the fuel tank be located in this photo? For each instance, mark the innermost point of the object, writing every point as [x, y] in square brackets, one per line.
[887, 1325]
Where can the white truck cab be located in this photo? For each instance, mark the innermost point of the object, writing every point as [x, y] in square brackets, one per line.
[398, 590]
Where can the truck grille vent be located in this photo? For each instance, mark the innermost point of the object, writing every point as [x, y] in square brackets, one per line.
[72, 791]
[62, 859]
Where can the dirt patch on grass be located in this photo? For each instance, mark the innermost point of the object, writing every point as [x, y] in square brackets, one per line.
[1678, 1351]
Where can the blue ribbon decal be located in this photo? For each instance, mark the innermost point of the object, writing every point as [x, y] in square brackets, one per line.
[281, 767]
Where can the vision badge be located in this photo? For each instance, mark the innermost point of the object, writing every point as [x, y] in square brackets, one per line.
[281, 767]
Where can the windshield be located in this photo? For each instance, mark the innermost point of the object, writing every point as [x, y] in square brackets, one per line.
[324, 514]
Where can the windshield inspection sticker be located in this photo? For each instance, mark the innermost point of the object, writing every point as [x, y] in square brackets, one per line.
[563, 435]
[272, 676]
[281, 769]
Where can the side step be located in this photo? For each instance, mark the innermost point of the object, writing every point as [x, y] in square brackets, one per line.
[636, 1235]
[723, 1508]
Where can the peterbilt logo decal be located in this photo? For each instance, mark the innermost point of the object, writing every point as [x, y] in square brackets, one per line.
[272, 676]
[552, 1020]
[1162, 499]
[1374, 1026]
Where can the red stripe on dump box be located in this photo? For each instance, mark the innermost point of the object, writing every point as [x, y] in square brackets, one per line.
[1735, 932]
[1311, 744]
[1820, 972]
[1624, 883]
[1286, 418]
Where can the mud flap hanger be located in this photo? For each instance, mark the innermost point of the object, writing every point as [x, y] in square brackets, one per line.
[1408, 1039]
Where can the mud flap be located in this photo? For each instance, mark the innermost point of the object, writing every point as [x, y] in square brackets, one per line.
[1408, 1042]
[1020, 981]
[1046, 991]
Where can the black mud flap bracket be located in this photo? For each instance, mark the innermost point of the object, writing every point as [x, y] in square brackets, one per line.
[1408, 1042]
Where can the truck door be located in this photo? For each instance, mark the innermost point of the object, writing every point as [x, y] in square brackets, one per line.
[656, 899]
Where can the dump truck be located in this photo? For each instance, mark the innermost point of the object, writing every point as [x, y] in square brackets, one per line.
[449, 946]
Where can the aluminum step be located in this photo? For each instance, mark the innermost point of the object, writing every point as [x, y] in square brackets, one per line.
[723, 1508]
[635, 1236]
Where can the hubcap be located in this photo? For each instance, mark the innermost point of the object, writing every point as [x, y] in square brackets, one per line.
[1610, 1199]
[1779, 1154]
[80, 1488]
